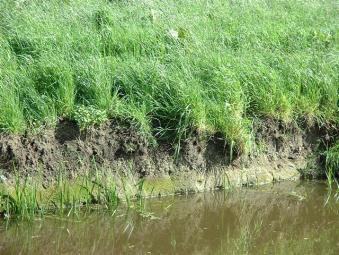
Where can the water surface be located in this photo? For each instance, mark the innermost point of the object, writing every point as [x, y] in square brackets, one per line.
[284, 218]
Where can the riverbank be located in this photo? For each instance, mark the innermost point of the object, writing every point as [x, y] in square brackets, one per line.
[180, 96]
[277, 152]
[68, 168]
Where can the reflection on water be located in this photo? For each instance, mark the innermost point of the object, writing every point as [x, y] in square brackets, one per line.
[285, 218]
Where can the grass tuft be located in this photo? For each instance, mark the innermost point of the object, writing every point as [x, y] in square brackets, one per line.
[332, 165]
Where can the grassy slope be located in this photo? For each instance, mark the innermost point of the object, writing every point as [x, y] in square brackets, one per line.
[169, 67]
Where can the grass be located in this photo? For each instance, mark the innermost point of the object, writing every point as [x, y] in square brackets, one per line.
[29, 197]
[332, 165]
[168, 67]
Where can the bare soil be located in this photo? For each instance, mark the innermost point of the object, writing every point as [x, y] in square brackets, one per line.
[277, 149]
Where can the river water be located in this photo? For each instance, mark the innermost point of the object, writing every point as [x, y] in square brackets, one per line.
[284, 218]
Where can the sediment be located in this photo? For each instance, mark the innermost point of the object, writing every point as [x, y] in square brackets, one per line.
[279, 152]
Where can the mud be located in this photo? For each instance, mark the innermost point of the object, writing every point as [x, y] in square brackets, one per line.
[278, 152]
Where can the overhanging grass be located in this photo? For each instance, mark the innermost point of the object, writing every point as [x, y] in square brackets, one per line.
[169, 67]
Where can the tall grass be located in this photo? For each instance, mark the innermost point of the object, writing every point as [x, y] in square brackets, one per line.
[169, 67]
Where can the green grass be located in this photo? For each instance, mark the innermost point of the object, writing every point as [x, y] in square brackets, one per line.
[169, 67]
[332, 165]
[29, 197]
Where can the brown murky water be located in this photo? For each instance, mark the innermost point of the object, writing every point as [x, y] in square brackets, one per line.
[285, 218]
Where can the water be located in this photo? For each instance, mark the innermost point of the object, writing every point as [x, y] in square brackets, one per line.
[285, 218]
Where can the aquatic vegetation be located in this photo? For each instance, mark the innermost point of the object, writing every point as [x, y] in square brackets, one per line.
[261, 220]
[332, 165]
[168, 67]
[29, 197]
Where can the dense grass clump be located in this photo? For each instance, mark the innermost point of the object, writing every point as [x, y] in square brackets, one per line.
[169, 67]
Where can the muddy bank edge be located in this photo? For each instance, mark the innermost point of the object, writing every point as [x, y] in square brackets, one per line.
[204, 163]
